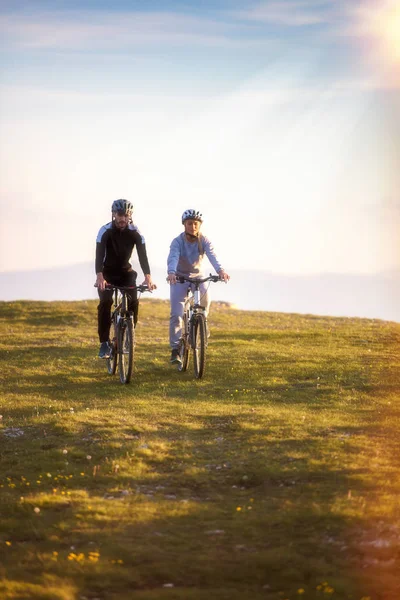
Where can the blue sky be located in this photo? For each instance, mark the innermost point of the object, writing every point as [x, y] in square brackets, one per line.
[280, 121]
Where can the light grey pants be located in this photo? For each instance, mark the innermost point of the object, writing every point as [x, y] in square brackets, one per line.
[178, 295]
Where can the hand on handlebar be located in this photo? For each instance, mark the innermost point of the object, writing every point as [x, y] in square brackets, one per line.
[100, 282]
[223, 276]
[171, 278]
[149, 282]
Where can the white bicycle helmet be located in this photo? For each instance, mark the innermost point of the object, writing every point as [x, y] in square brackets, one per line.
[122, 206]
[193, 214]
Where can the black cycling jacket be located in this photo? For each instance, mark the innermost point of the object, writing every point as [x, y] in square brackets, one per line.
[114, 248]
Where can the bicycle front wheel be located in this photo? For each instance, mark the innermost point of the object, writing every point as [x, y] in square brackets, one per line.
[199, 346]
[184, 345]
[112, 361]
[126, 350]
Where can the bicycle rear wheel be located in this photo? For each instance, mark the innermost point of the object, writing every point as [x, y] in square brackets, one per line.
[126, 350]
[199, 346]
[112, 361]
[184, 345]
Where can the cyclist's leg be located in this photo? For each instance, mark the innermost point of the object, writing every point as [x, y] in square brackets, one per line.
[178, 293]
[104, 315]
[133, 302]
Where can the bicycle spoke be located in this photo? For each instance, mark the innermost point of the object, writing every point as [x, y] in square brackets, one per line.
[184, 345]
[112, 361]
[126, 353]
[199, 345]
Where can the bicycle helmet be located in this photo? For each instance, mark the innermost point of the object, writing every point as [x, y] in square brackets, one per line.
[122, 206]
[191, 213]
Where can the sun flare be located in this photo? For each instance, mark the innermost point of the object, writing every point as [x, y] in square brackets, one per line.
[381, 22]
[391, 32]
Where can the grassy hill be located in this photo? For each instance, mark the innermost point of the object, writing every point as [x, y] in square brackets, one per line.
[275, 477]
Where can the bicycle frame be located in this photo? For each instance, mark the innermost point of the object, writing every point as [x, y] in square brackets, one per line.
[123, 340]
[120, 302]
[194, 330]
[192, 307]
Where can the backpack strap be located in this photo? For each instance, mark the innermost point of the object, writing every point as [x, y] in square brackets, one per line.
[200, 244]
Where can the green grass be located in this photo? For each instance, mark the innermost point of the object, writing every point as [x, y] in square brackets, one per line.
[275, 477]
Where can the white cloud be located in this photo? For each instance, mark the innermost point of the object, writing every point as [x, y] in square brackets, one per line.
[291, 14]
[77, 30]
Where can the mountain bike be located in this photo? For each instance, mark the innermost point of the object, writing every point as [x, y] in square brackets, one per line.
[122, 333]
[194, 328]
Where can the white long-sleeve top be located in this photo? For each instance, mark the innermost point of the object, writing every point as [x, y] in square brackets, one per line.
[186, 258]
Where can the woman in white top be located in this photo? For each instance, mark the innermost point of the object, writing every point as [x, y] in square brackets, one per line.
[185, 258]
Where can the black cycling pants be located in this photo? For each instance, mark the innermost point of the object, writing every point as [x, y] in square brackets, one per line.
[106, 299]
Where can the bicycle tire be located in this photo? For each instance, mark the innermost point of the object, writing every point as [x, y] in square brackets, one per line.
[126, 350]
[113, 360]
[184, 345]
[199, 346]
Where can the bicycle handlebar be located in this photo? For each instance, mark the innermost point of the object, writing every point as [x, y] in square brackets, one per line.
[139, 288]
[122, 288]
[183, 278]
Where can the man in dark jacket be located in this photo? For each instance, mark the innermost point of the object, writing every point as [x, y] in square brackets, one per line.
[114, 245]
